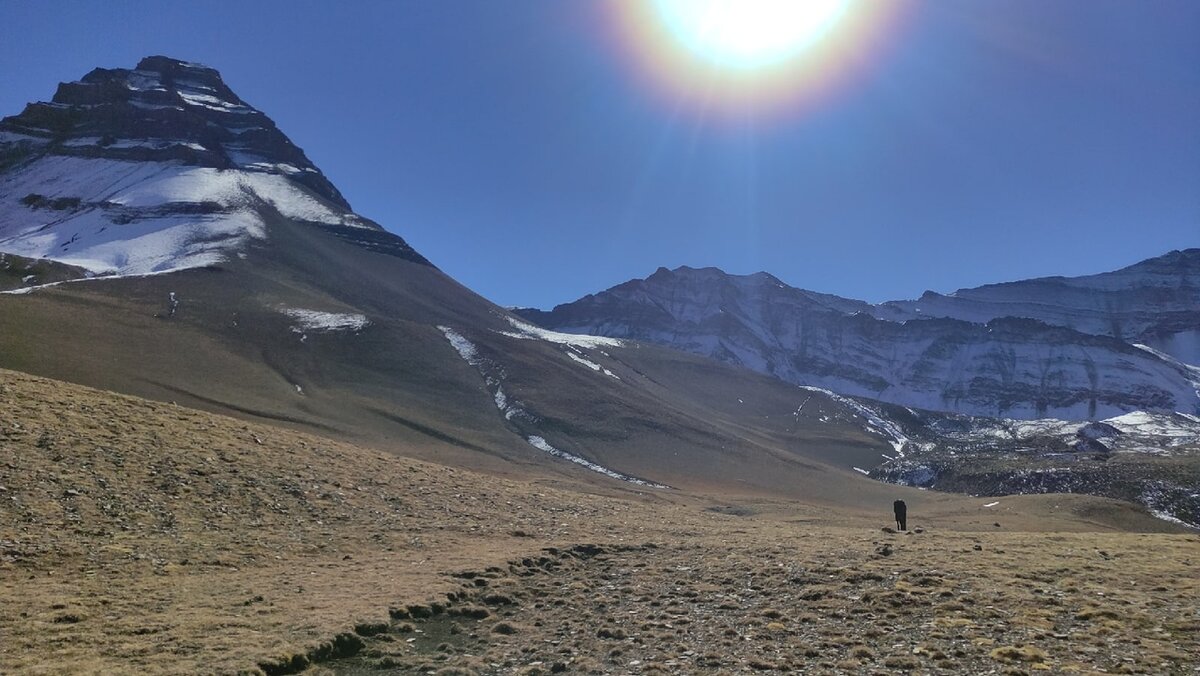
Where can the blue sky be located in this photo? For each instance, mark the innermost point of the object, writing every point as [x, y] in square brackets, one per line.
[512, 143]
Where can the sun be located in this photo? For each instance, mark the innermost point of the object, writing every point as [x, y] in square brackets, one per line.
[759, 58]
[749, 35]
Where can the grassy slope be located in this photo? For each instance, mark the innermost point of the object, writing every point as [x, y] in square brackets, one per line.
[138, 536]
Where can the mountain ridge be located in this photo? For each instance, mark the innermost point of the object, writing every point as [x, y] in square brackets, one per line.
[1072, 360]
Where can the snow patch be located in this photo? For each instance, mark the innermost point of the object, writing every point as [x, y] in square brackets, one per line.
[541, 444]
[1166, 516]
[465, 348]
[30, 289]
[316, 320]
[592, 365]
[526, 331]
[14, 137]
[128, 217]
[1175, 426]
[213, 103]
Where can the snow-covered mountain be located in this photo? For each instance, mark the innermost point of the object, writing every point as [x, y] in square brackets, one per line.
[1070, 360]
[154, 169]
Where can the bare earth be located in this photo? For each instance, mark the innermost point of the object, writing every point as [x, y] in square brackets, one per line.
[141, 537]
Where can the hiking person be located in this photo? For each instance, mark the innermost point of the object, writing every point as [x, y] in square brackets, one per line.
[901, 511]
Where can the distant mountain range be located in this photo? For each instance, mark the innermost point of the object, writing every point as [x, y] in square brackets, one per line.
[1073, 348]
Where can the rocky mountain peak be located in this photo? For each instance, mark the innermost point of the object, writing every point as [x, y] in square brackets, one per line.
[159, 168]
[164, 109]
[1182, 262]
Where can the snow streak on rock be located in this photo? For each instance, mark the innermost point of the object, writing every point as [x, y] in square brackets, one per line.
[873, 418]
[465, 348]
[492, 373]
[540, 444]
[493, 376]
[592, 365]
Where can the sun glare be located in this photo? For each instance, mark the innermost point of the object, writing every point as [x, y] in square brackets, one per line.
[765, 56]
[749, 35]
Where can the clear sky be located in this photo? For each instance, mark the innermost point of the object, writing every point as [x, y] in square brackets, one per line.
[527, 148]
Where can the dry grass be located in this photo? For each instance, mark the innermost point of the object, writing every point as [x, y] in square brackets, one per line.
[138, 537]
[822, 601]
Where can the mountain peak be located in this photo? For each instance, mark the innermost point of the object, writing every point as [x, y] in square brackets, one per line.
[164, 109]
[159, 168]
[168, 66]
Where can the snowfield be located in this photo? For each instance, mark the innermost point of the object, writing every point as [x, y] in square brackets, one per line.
[123, 217]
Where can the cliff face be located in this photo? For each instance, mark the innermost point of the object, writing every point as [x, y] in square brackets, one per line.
[994, 364]
[1155, 302]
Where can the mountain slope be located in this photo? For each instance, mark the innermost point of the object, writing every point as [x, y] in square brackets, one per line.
[215, 266]
[1007, 366]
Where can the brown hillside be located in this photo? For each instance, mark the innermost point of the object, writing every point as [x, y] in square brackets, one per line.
[145, 537]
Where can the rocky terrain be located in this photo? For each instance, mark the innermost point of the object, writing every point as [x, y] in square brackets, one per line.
[143, 537]
[1165, 485]
[1149, 459]
[1056, 348]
